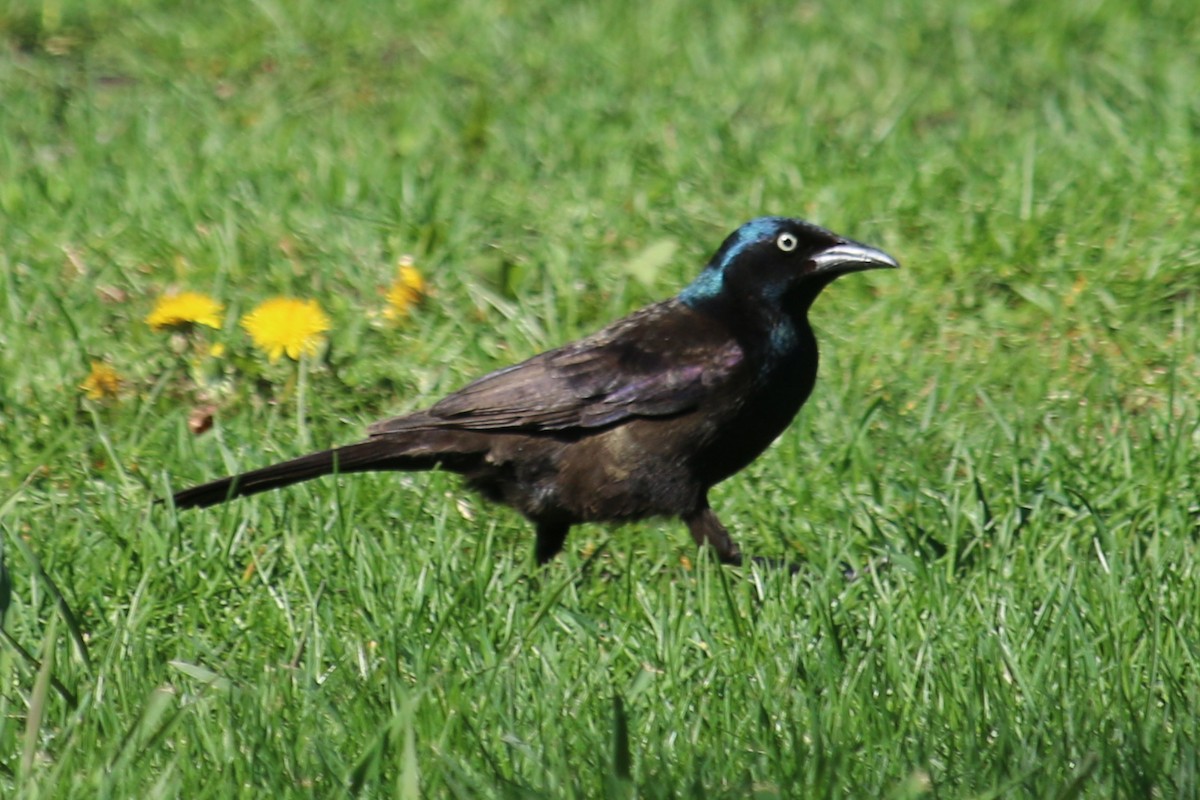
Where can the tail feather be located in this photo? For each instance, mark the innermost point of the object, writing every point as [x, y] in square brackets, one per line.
[370, 455]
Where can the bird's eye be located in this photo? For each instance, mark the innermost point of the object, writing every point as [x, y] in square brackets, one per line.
[786, 242]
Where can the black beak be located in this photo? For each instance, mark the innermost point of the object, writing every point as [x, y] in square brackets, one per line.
[849, 256]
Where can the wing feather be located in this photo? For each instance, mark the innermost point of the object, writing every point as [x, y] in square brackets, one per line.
[660, 361]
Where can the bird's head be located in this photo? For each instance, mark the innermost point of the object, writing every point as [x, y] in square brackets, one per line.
[777, 266]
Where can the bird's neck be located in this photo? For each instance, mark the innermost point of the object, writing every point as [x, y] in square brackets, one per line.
[789, 360]
[775, 336]
[788, 338]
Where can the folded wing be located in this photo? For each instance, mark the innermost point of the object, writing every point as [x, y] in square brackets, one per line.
[661, 361]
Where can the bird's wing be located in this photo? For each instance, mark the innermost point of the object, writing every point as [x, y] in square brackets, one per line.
[660, 361]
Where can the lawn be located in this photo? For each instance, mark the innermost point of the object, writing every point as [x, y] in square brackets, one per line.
[993, 494]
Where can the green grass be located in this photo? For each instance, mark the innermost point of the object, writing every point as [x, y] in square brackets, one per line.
[1007, 428]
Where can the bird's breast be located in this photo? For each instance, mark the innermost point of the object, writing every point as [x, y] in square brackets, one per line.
[776, 394]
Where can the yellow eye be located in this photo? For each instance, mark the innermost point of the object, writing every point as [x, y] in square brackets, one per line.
[786, 242]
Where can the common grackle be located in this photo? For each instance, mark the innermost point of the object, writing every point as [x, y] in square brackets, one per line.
[637, 420]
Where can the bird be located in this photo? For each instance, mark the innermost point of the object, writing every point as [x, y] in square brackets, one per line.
[638, 420]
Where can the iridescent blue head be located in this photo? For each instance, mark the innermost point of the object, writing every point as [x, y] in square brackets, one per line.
[776, 266]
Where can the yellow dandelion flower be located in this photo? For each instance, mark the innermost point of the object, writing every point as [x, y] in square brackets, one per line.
[102, 383]
[286, 325]
[406, 291]
[183, 310]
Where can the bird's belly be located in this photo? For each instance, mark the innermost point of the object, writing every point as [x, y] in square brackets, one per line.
[639, 469]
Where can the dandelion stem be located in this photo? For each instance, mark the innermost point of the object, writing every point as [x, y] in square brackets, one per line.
[301, 404]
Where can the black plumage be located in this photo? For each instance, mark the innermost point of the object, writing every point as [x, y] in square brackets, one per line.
[637, 420]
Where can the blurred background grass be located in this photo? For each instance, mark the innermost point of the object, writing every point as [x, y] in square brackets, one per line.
[1010, 422]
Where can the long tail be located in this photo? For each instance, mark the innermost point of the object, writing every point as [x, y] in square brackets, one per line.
[382, 453]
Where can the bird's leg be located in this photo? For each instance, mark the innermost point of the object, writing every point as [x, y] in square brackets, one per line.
[550, 538]
[707, 529]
